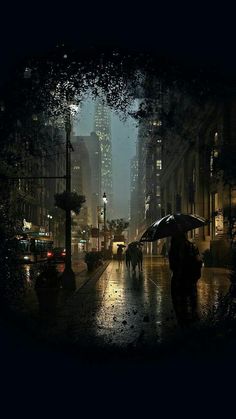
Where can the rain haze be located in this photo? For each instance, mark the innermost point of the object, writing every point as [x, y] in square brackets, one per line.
[123, 136]
[78, 312]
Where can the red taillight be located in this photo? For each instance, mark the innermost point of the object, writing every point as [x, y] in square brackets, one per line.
[49, 254]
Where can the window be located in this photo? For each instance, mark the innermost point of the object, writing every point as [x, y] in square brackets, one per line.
[158, 164]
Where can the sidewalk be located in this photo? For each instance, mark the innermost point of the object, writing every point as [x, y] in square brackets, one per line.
[82, 276]
[29, 307]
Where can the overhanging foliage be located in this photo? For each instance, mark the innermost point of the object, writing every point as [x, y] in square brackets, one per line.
[69, 201]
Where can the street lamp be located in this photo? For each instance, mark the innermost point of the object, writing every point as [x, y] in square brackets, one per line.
[104, 212]
[49, 224]
[68, 276]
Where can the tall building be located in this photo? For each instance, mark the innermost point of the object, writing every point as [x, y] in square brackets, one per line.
[102, 127]
[199, 175]
[55, 166]
[133, 220]
[80, 184]
[93, 189]
[41, 159]
[147, 197]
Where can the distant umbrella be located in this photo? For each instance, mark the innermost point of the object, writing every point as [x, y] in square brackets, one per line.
[171, 225]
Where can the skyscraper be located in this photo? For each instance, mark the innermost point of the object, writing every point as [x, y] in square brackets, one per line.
[102, 127]
[133, 219]
[91, 190]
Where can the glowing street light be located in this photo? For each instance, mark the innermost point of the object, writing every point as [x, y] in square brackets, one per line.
[49, 224]
[104, 207]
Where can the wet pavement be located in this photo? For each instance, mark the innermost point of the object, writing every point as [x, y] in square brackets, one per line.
[121, 311]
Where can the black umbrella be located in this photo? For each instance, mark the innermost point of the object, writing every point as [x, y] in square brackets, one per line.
[171, 225]
[134, 243]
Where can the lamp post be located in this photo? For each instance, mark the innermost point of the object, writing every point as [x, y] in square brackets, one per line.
[99, 216]
[49, 224]
[68, 276]
[98, 235]
[104, 214]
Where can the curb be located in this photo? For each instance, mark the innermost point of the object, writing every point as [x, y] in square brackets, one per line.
[94, 275]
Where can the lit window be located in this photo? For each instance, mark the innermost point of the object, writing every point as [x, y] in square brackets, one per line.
[158, 164]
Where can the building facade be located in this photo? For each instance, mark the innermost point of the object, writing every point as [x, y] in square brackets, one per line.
[80, 184]
[32, 192]
[102, 127]
[147, 196]
[92, 190]
[133, 219]
[199, 177]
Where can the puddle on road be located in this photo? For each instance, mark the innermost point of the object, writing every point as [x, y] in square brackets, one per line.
[123, 309]
[158, 312]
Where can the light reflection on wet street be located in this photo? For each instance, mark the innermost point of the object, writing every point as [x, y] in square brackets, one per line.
[123, 310]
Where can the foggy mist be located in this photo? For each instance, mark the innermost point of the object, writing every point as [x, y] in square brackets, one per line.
[124, 135]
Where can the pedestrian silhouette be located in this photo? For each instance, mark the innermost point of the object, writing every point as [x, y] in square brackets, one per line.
[184, 261]
[136, 256]
[182, 255]
[140, 258]
[184, 302]
[119, 255]
[127, 258]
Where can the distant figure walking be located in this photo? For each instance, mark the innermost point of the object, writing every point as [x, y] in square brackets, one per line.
[140, 258]
[119, 255]
[127, 258]
[136, 257]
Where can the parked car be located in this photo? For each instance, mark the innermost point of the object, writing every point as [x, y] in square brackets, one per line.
[57, 254]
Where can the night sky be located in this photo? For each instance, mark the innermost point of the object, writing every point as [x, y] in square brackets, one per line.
[196, 33]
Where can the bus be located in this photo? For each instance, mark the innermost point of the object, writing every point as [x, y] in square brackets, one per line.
[33, 248]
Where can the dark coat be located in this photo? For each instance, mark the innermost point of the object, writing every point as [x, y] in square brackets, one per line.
[184, 261]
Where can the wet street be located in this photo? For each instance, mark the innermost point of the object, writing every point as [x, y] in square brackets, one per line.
[122, 311]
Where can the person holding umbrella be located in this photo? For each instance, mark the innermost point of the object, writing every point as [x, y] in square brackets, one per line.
[120, 254]
[184, 258]
[127, 258]
[184, 261]
[136, 255]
